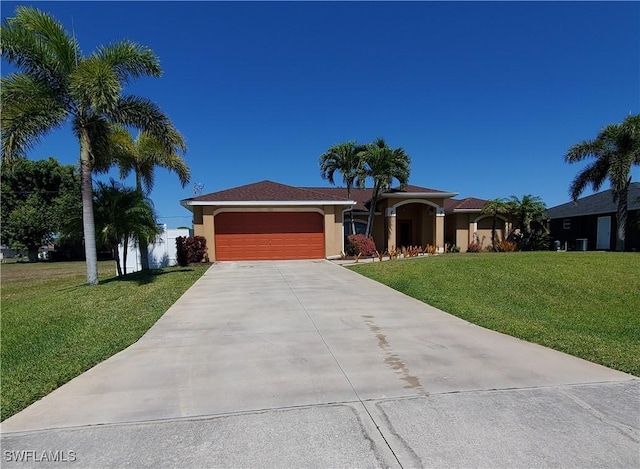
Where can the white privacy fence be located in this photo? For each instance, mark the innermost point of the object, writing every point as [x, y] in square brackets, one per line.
[162, 253]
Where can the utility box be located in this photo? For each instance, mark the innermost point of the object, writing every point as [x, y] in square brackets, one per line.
[582, 244]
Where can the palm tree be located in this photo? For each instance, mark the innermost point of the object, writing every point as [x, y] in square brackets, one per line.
[345, 158]
[56, 83]
[615, 149]
[494, 208]
[142, 156]
[383, 165]
[123, 214]
[531, 222]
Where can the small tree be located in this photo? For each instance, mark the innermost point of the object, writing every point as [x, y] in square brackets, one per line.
[494, 208]
[531, 230]
[142, 155]
[123, 214]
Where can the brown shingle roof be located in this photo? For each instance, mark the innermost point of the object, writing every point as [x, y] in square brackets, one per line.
[359, 195]
[412, 188]
[469, 203]
[266, 191]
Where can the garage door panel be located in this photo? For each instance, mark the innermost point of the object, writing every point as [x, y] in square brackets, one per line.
[269, 235]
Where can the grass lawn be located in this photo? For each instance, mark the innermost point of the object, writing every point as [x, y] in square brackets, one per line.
[586, 304]
[54, 327]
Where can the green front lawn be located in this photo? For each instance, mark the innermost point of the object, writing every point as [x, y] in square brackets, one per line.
[54, 327]
[586, 304]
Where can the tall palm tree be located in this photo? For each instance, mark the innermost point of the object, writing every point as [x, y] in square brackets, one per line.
[56, 83]
[495, 207]
[615, 149]
[123, 214]
[142, 156]
[345, 158]
[383, 165]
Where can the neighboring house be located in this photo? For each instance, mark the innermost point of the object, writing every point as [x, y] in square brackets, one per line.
[590, 222]
[46, 253]
[268, 220]
[8, 253]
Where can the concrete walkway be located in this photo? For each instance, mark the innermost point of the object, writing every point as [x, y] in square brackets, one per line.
[307, 364]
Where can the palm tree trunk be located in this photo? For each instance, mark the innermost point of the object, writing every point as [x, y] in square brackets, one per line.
[621, 217]
[351, 224]
[372, 211]
[125, 247]
[88, 223]
[142, 244]
[116, 257]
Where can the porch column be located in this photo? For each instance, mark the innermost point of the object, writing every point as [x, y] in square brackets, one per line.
[440, 229]
[473, 228]
[391, 230]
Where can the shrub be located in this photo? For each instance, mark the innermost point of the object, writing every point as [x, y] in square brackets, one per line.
[191, 249]
[474, 247]
[505, 246]
[454, 248]
[360, 244]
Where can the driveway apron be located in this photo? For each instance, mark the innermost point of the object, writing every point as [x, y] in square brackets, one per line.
[305, 363]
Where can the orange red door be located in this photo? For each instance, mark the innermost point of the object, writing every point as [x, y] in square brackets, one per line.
[269, 236]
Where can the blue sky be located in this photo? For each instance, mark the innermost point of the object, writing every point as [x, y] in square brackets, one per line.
[486, 97]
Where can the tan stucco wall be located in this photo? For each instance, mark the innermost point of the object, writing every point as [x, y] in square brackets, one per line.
[484, 230]
[203, 226]
[333, 234]
[459, 229]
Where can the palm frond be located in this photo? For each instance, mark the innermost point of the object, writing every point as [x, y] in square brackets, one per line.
[594, 174]
[345, 158]
[39, 45]
[146, 116]
[30, 110]
[94, 85]
[582, 150]
[129, 60]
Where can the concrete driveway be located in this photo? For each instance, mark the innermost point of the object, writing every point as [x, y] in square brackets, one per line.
[307, 364]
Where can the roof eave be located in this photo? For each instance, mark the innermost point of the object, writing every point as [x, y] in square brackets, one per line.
[418, 195]
[264, 203]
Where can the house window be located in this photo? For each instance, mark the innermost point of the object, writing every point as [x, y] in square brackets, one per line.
[566, 223]
[358, 226]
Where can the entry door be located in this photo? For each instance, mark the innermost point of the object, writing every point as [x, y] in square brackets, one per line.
[604, 233]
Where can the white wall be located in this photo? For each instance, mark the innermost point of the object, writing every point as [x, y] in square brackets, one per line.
[162, 253]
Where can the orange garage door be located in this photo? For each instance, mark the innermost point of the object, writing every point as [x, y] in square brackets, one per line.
[269, 235]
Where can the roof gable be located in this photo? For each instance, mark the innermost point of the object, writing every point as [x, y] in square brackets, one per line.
[468, 203]
[266, 191]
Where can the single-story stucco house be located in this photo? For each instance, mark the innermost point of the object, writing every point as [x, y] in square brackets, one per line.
[590, 222]
[268, 220]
